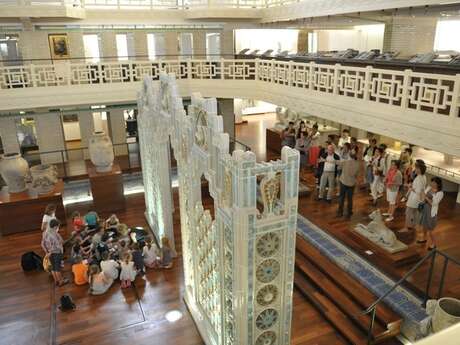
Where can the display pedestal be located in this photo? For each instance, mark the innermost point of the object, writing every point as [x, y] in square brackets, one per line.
[19, 212]
[107, 189]
[273, 140]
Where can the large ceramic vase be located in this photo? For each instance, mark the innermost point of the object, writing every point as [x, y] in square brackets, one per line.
[14, 170]
[446, 313]
[44, 178]
[101, 151]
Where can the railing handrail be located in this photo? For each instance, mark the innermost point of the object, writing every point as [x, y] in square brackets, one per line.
[431, 255]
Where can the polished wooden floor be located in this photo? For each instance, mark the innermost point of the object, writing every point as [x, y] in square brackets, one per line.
[29, 314]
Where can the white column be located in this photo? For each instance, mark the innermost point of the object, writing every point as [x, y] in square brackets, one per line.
[118, 131]
[8, 134]
[50, 137]
[228, 114]
[85, 119]
[238, 108]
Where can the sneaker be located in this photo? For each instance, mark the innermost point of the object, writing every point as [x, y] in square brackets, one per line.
[389, 219]
[386, 214]
[379, 196]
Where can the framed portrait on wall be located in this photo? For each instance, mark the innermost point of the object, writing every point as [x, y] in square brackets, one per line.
[59, 46]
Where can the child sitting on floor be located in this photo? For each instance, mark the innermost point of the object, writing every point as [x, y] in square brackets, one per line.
[166, 253]
[112, 223]
[109, 266]
[138, 259]
[80, 271]
[99, 282]
[122, 249]
[128, 272]
[78, 223]
[150, 253]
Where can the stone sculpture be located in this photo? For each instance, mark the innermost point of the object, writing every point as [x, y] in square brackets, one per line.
[14, 170]
[380, 234]
[101, 151]
[445, 312]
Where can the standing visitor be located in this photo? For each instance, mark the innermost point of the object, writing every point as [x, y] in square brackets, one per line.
[415, 195]
[345, 138]
[288, 136]
[330, 159]
[347, 180]
[407, 166]
[432, 196]
[378, 168]
[313, 151]
[50, 213]
[393, 181]
[52, 244]
[369, 155]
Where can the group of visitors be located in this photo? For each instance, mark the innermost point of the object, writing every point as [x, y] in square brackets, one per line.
[339, 162]
[101, 251]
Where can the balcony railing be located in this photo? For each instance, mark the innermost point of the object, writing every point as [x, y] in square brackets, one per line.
[423, 92]
[144, 4]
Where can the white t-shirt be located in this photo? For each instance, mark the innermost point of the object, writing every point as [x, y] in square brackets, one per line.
[329, 164]
[314, 140]
[343, 140]
[46, 219]
[415, 195]
[110, 268]
[150, 255]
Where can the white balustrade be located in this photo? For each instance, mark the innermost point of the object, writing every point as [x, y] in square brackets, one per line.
[424, 92]
[143, 4]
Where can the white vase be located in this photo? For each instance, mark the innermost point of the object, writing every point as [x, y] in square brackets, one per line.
[44, 178]
[446, 313]
[101, 151]
[14, 170]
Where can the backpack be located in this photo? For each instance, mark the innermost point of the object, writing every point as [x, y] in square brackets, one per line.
[31, 261]
[67, 303]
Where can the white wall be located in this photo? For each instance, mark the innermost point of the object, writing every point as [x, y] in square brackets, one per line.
[264, 39]
[363, 37]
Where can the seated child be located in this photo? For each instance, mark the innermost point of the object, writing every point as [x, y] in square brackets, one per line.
[150, 253]
[80, 271]
[138, 259]
[166, 253]
[109, 266]
[112, 222]
[122, 249]
[99, 282]
[128, 271]
[92, 220]
[75, 253]
[78, 223]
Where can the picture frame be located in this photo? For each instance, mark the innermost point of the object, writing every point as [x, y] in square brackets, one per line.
[59, 46]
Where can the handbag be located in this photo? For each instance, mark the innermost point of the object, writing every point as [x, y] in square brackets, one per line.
[420, 206]
[47, 263]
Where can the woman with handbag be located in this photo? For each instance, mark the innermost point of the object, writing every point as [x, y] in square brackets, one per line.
[414, 197]
[432, 196]
[52, 244]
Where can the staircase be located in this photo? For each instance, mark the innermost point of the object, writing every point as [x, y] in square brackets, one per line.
[342, 284]
[340, 298]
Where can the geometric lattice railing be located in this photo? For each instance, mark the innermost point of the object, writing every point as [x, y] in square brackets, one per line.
[425, 92]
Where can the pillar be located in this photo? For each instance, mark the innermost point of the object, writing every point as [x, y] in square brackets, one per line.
[238, 109]
[50, 137]
[227, 111]
[8, 134]
[85, 119]
[199, 44]
[118, 131]
[171, 45]
[448, 159]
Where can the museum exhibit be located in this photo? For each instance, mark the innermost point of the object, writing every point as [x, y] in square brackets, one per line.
[253, 172]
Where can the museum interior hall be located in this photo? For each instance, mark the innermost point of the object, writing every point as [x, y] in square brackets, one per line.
[229, 172]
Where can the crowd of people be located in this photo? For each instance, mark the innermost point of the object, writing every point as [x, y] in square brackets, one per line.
[339, 162]
[101, 252]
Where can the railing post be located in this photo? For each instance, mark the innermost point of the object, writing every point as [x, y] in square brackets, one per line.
[443, 275]
[33, 82]
[311, 74]
[63, 164]
[367, 83]
[189, 69]
[454, 107]
[290, 76]
[335, 81]
[405, 88]
[430, 278]
[256, 69]
[222, 68]
[370, 336]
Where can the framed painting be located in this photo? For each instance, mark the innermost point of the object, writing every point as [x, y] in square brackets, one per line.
[59, 46]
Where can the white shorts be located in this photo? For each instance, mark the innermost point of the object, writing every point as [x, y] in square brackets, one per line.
[391, 197]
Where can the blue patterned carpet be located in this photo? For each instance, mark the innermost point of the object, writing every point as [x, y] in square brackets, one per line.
[400, 300]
